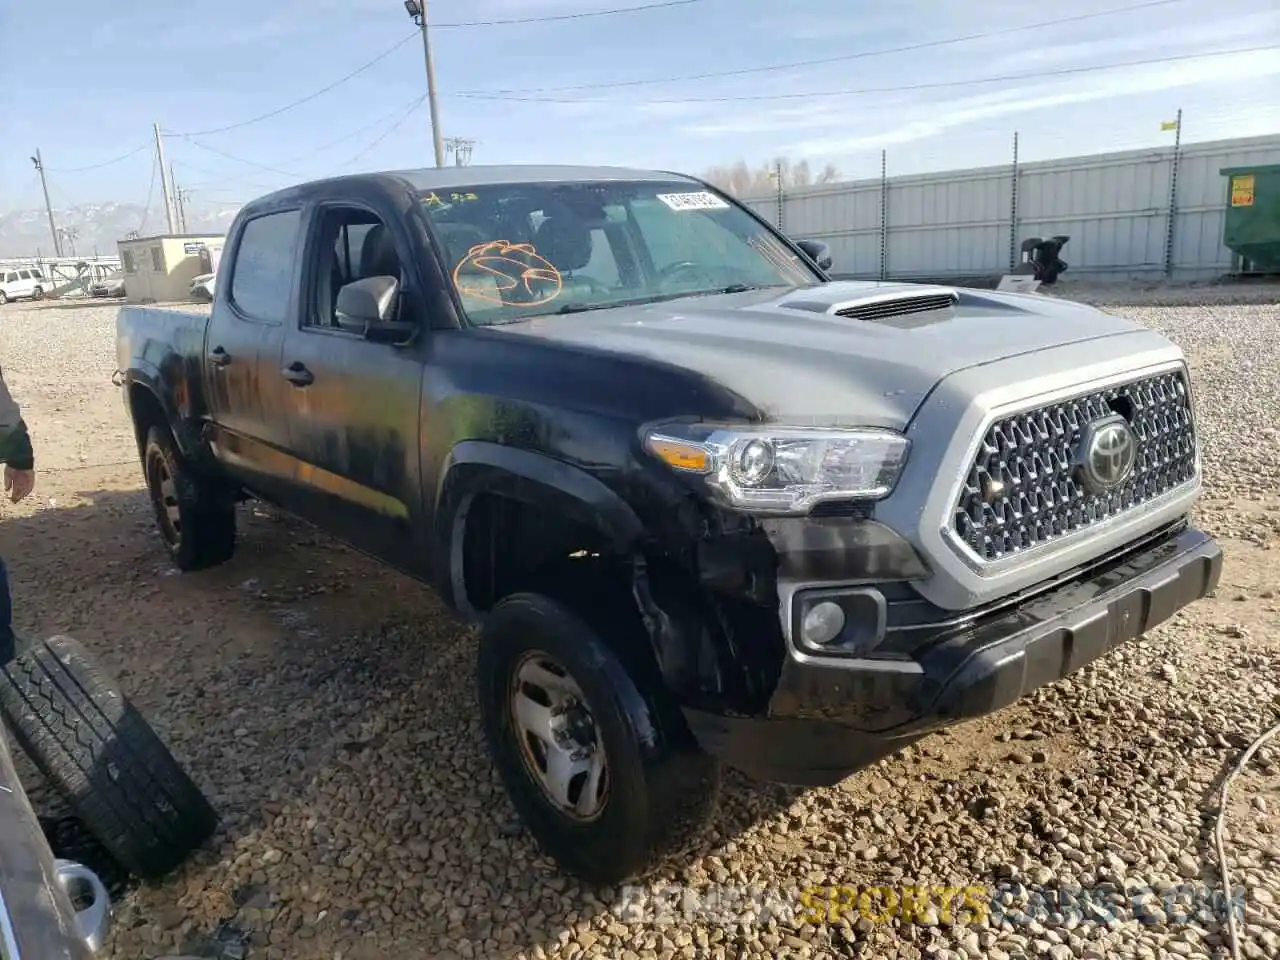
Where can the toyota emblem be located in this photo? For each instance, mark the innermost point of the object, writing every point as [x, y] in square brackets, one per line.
[1108, 453]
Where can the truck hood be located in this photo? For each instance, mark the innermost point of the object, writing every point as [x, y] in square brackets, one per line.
[793, 357]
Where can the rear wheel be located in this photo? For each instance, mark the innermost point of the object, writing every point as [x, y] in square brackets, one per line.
[197, 521]
[595, 757]
[4, 298]
[37, 293]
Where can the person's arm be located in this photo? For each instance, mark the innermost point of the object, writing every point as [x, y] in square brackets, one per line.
[15, 442]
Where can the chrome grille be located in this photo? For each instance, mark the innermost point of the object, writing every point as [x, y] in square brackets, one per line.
[1024, 487]
[898, 306]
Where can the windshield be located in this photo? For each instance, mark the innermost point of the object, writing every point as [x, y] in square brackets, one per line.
[527, 249]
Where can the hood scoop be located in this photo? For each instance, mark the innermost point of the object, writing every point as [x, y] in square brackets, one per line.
[873, 307]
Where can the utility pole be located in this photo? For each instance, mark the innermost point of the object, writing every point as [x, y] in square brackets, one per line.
[418, 11]
[48, 207]
[164, 179]
[177, 199]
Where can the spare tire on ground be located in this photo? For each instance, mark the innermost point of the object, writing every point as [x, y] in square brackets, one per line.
[95, 748]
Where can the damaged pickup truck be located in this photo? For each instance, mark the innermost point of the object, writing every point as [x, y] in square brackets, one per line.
[708, 506]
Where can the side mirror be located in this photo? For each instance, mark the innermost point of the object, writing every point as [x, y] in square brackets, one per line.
[818, 252]
[368, 307]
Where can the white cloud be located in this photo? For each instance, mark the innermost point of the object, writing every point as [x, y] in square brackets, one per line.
[931, 118]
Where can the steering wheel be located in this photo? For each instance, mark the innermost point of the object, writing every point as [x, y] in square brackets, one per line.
[671, 270]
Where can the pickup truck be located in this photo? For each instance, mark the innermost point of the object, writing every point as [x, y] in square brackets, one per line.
[708, 506]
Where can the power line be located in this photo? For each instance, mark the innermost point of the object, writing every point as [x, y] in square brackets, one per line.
[390, 130]
[643, 8]
[146, 209]
[1037, 74]
[104, 163]
[308, 98]
[228, 156]
[843, 58]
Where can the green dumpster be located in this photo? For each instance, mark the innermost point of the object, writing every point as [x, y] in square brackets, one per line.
[1251, 228]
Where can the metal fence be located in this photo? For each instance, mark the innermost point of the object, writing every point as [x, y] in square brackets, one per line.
[1139, 213]
[72, 276]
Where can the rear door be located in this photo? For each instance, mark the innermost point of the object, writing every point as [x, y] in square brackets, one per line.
[353, 404]
[242, 351]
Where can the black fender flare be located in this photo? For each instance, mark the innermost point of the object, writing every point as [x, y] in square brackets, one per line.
[475, 467]
[147, 377]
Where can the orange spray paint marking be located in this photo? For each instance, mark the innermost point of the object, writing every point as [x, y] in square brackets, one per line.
[511, 267]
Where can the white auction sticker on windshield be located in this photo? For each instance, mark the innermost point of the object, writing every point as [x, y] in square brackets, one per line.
[698, 200]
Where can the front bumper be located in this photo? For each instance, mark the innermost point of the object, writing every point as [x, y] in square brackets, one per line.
[831, 715]
[37, 919]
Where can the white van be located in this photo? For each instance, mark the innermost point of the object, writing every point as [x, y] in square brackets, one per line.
[18, 283]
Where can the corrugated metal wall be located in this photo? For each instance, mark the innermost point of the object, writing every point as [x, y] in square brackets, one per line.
[1114, 207]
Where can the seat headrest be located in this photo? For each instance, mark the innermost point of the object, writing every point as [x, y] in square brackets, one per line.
[564, 241]
[378, 257]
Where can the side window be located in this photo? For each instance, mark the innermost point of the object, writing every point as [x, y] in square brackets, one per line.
[126, 260]
[262, 275]
[10, 278]
[351, 244]
[24, 274]
[157, 259]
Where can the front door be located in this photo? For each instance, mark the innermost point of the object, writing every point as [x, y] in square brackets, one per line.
[242, 353]
[353, 405]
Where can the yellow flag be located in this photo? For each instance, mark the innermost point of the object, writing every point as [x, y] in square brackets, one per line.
[1169, 125]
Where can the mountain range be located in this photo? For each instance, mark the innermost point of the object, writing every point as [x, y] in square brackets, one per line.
[25, 233]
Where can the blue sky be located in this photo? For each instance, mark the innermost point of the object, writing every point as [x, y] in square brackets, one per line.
[92, 78]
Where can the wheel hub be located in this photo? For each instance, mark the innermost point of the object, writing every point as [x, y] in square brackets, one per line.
[559, 741]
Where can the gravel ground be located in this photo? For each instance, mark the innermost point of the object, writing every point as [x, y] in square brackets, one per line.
[325, 705]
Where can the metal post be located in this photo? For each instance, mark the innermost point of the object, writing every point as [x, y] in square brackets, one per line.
[884, 215]
[1173, 197]
[781, 197]
[48, 207]
[1013, 208]
[164, 180]
[431, 86]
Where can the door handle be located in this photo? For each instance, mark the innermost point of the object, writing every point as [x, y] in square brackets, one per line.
[297, 374]
[219, 357]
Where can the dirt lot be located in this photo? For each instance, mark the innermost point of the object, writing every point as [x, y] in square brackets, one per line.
[325, 705]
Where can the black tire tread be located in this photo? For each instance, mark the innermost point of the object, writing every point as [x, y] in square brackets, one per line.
[101, 754]
[680, 790]
[208, 536]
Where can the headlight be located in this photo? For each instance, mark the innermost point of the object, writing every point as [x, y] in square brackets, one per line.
[785, 470]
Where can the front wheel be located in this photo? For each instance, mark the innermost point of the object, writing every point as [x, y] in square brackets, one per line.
[37, 293]
[594, 757]
[196, 520]
[4, 298]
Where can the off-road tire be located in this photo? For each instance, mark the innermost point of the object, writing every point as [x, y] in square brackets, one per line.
[662, 788]
[93, 746]
[205, 534]
[37, 293]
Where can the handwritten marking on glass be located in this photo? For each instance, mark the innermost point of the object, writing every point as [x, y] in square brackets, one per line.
[508, 274]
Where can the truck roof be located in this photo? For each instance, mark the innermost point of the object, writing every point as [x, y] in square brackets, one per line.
[445, 178]
[430, 178]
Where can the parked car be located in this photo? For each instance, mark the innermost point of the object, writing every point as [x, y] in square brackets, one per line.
[708, 506]
[201, 287]
[23, 283]
[108, 287]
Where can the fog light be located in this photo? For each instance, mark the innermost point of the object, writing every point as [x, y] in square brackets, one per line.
[823, 622]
